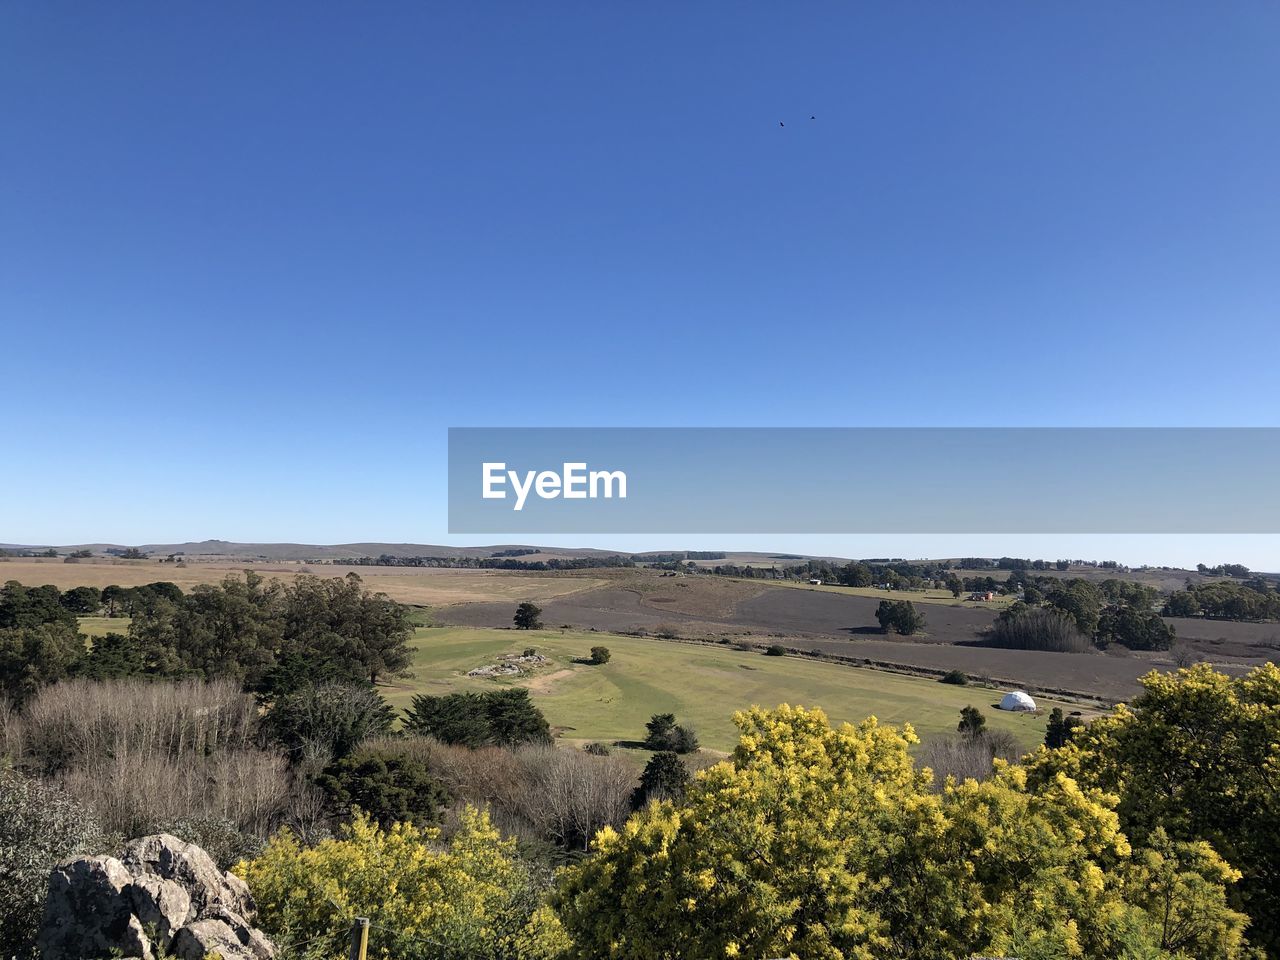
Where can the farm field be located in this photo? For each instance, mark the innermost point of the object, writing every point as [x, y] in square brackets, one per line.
[701, 685]
[422, 586]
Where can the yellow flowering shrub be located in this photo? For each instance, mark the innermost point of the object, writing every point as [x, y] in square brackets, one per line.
[824, 843]
[470, 898]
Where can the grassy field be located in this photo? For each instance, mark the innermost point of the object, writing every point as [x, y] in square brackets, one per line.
[915, 596]
[701, 685]
[423, 586]
[101, 626]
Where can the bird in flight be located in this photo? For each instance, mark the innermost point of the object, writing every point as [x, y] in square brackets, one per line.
[781, 124]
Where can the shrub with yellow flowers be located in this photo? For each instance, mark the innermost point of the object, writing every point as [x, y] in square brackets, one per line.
[472, 897]
[826, 843]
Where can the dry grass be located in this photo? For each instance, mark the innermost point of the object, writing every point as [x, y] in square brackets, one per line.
[142, 755]
[132, 793]
[537, 792]
[423, 586]
[967, 758]
[80, 721]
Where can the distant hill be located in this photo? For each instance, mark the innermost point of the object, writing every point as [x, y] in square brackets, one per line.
[1167, 578]
[227, 550]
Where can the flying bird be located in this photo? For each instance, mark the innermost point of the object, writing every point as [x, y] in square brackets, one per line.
[781, 124]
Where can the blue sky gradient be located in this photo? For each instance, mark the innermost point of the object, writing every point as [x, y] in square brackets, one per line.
[255, 259]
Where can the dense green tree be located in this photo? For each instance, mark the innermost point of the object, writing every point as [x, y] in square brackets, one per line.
[1058, 733]
[331, 717]
[856, 575]
[390, 789]
[1080, 600]
[274, 638]
[32, 606]
[972, 722]
[1138, 628]
[118, 655]
[338, 620]
[1183, 603]
[82, 601]
[527, 615]
[1225, 600]
[114, 598]
[232, 629]
[665, 777]
[499, 717]
[900, 616]
[32, 656]
[663, 734]
[600, 655]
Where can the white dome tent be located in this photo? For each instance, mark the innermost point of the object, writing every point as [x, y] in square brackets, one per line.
[1018, 701]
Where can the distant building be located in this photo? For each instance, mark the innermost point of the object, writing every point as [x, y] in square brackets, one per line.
[986, 595]
[815, 581]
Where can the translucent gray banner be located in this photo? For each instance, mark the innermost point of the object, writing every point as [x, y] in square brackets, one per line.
[565, 480]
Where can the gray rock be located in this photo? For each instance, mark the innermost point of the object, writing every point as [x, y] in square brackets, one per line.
[169, 858]
[161, 895]
[162, 906]
[203, 937]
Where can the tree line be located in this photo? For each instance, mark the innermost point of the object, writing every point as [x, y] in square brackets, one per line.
[267, 636]
[1254, 599]
[1073, 615]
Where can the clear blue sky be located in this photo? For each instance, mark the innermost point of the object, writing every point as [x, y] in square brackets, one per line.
[255, 258]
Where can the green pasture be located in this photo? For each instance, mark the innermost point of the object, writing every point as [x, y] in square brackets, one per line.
[101, 626]
[702, 685]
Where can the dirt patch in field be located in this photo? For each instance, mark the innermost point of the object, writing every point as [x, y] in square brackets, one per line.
[548, 681]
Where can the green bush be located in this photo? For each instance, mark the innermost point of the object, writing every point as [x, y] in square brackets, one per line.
[332, 716]
[899, 616]
[600, 655]
[775, 650]
[389, 788]
[665, 777]
[39, 827]
[957, 677]
[497, 718]
[665, 735]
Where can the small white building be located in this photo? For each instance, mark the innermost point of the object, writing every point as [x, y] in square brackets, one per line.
[816, 582]
[1019, 702]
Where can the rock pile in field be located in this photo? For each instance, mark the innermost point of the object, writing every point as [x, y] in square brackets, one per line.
[510, 665]
[162, 896]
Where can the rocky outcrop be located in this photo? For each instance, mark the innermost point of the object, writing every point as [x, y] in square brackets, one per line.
[160, 895]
